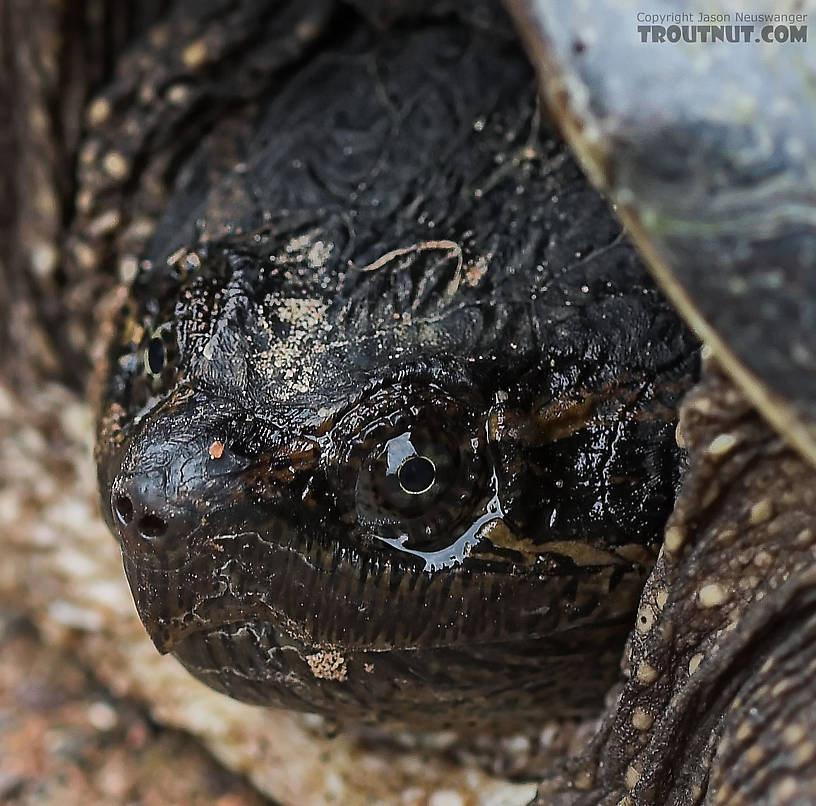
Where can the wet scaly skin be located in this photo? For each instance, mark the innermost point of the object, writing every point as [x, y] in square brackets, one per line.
[388, 423]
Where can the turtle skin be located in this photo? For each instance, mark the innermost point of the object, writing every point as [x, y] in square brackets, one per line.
[387, 421]
[712, 178]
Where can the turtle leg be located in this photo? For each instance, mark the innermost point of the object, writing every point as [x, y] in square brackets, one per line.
[717, 705]
[52, 53]
[767, 749]
[168, 78]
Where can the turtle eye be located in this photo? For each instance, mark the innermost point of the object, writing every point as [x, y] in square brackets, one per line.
[155, 356]
[159, 352]
[417, 475]
[420, 488]
[411, 470]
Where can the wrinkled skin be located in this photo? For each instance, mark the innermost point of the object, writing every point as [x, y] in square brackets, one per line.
[714, 179]
[388, 424]
[711, 160]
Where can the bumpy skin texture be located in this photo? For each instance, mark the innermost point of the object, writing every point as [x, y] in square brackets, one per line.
[51, 53]
[86, 182]
[718, 703]
[718, 706]
[393, 258]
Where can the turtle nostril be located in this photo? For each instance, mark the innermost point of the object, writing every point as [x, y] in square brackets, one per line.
[152, 526]
[124, 508]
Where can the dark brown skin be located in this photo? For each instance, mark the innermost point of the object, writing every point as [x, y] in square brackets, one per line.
[403, 259]
[717, 197]
[709, 153]
[718, 703]
[98, 132]
[53, 54]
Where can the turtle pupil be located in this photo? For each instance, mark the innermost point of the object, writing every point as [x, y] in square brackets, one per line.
[416, 475]
[156, 356]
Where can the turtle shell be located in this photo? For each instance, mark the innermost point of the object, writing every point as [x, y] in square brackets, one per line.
[707, 150]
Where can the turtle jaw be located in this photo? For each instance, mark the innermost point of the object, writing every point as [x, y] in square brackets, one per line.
[264, 582]
[271, 619]
[494, 686]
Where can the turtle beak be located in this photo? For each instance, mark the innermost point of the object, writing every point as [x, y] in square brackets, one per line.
[175, 472]
[185, 499]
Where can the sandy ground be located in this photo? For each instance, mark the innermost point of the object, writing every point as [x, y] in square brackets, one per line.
[65, 739]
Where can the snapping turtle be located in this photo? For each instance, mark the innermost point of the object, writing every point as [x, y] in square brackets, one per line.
[387, 416]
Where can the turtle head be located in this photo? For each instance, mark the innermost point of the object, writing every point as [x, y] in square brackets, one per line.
[335, 502]
[388, 424]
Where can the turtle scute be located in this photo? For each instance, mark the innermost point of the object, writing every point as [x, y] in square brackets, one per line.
[388, 430]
